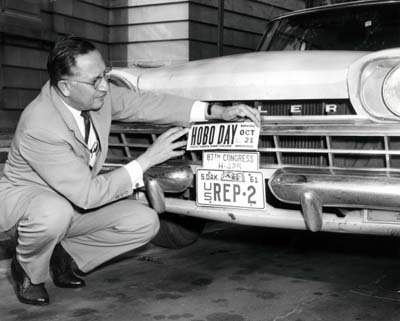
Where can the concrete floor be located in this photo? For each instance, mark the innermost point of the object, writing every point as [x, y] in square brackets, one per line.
[233, 273]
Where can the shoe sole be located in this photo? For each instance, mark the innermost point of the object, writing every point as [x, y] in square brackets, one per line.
[23, 300]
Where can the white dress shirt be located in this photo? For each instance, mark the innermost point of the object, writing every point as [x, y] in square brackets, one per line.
[93, 143]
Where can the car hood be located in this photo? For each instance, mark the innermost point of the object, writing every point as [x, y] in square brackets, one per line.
[261, 75]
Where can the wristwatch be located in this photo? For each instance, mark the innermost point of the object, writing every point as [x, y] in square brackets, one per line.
[209, 108]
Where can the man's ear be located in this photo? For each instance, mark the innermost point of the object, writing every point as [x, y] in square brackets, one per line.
[64, 87]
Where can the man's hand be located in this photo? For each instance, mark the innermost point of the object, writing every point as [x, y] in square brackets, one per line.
[164, 148]
[240, 112]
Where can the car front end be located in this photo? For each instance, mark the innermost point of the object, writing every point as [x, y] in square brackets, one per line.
[329, 144]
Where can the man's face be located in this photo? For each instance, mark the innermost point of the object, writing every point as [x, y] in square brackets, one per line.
[87, 86]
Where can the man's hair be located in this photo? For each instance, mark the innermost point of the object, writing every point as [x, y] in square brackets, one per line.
[62, 56]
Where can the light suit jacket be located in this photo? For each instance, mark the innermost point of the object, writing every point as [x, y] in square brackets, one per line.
[48, 151]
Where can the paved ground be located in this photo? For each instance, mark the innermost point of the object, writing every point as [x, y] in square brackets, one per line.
[233, 274]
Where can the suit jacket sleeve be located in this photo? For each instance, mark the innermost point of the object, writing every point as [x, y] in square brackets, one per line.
[150, 107]
[54, 160]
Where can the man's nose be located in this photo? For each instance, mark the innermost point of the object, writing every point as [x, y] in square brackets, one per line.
[103, 86]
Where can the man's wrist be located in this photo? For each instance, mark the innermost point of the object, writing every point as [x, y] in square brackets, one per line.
[214, 111]
[143, 162]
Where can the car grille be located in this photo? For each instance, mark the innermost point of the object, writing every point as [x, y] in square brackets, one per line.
[348, 152]
[346, 146]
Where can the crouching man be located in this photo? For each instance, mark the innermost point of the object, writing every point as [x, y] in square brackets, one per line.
[63, 214]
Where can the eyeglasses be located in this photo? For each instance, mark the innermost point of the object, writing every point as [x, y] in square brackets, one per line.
[105, 75]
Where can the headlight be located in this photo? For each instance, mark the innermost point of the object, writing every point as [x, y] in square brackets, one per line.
[391, 90]
[373, 81]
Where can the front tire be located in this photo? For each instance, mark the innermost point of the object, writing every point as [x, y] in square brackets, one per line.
[177, 231]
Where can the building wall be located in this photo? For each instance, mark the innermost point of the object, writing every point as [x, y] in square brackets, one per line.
[27, 30]
[168, 31]
[125, 31]
[148, 31]
[21, 57]
[244, 24]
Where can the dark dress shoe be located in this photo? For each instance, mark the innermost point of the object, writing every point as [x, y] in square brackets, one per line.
[26, 291]
[62, 268]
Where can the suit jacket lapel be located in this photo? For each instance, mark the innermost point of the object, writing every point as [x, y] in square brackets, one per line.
[97, 122]
[67, 116]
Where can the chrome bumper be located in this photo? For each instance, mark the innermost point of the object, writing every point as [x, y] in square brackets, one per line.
[171, 177]
[314, 189]
[355, 222]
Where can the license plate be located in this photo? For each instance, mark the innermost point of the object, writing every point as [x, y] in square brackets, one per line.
[234, 161]
[242, 136]
[230, 188]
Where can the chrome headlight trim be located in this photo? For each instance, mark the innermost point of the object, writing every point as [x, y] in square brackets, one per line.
[391, 90]
[365, 82]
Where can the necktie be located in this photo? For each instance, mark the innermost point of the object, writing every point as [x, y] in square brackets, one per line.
[86, 120]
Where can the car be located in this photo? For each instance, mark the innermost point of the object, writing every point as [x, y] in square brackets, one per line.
[326, 81]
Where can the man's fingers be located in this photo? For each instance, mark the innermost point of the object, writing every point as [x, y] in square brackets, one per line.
[170, 131]
[246, 111]
[174, 133]
[179, 144]
[179, 134]
[256, 113]
[176, 153]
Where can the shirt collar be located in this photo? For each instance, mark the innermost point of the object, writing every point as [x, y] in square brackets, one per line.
[77, 116]
[76, 113]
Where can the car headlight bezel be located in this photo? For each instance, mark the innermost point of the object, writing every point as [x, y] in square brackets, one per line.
[365, 81]
[391, 90]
